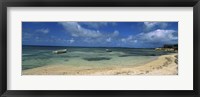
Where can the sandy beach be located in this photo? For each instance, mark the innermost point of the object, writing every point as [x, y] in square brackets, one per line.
[163, 65]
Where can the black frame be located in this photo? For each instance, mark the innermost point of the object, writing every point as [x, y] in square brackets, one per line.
[101, 3]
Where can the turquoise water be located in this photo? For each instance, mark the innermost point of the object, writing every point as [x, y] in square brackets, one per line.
[82, 57]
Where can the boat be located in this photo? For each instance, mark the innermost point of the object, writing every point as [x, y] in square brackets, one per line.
[108, 50]
[59, 51]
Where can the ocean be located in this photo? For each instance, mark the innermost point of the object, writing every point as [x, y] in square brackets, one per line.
[86, 57]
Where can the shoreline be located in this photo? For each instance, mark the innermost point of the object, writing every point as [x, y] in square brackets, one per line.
[163, 65]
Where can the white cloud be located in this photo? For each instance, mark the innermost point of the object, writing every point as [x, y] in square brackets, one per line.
[115, 33]
[26, 35]
[45, 31]
[130, 38]
[77, 30]
[135, 41]
[158, 36]
[123, 40]
[88, 35]
[152, 25]
[97, 25]
[71, 40]
[108, 39]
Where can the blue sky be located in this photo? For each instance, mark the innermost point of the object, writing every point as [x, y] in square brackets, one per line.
[100, 34]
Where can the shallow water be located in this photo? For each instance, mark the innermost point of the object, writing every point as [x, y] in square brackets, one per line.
[82, 57]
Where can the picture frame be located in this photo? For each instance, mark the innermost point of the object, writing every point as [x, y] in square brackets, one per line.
[103, 3]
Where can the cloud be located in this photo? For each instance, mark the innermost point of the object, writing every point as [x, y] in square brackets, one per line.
[26, 35]
[155, 25]
[77, 30]
[37, 38]
[135, 41]
[71, 40]
[158, 36]
[97, 25]
[123, 40]
[130, 38]
[115, 33]
[45, 31]
[88, 35]
[108, 39]
[153, 38]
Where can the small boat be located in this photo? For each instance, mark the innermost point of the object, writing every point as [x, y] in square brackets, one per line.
[60, 51]
[108, 50]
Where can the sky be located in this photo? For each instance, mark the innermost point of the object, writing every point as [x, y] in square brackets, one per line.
[100, 34]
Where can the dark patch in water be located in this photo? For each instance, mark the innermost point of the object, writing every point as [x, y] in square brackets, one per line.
[29, 67]
[97, 59]
[74, 56]
[25, 68]
[150, 54]
[66, 60]
[65, 56]
[124, 55]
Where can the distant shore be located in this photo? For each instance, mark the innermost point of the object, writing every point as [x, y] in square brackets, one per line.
[163, 65]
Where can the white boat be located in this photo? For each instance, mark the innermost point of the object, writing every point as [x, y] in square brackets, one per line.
[108, 50]
[60, 51]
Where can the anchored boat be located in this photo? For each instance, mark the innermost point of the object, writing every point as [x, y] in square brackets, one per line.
[60, 51]
[108, 50]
